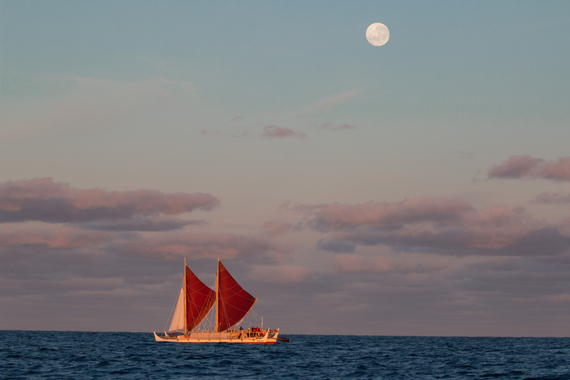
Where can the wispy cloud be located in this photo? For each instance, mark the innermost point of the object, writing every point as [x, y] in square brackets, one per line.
[273, 228]
[330, 126]
[551, 198]
[200, 245]
[236, 118]
[98, 103]
[327, 103]
[62, 120]
[528, 167]
[217, 133]
[275, 131]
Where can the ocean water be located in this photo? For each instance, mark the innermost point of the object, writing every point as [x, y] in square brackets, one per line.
[96, 355]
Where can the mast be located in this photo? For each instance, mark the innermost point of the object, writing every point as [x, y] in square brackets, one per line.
[217, 287]
[185, 313]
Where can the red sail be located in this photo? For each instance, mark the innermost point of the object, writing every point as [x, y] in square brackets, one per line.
[233, 302]
[199, 300]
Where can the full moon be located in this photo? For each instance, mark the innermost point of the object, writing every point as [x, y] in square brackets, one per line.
[377, 34]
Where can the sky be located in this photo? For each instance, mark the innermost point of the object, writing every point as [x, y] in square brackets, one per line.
[417, 188]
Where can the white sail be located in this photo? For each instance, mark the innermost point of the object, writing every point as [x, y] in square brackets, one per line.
[178, 316]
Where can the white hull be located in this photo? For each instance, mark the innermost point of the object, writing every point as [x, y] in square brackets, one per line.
[224, 337]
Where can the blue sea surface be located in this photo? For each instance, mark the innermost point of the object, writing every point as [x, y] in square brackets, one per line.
[103, 355]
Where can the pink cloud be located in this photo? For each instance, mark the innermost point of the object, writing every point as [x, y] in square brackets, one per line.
[284, 273]
[354, 264]
[272, 228]
[52, 238]
[442, 226]
[389, 214]
[497, 231]
[55, 202]
[533, 168]
[201, 245]
[275, 131]
[138, 223]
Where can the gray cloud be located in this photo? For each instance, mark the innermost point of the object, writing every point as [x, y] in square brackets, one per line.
[546, 198]
[336, 246]
[528, 167]
[441, 226]
[47, 201]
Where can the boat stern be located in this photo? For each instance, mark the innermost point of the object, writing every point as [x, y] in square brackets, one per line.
[157, 338]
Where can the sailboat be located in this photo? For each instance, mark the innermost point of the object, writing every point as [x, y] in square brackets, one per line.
[232, 304]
